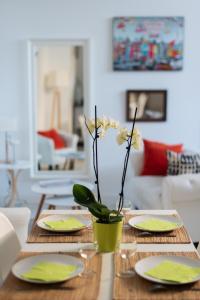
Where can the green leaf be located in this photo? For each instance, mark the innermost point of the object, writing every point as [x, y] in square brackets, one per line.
[83, 196]
[114, 219]
[99, 210]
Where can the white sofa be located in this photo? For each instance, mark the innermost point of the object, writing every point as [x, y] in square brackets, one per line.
[19, 218]
[180, 192]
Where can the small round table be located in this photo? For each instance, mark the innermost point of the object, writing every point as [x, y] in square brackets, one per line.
[56, 189]
[13, 170]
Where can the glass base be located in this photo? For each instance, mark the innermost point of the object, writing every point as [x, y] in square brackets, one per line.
[88, 273]
[126, 274]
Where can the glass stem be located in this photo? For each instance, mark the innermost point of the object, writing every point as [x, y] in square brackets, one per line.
[129, 263]
[124, 268]
[86, 265]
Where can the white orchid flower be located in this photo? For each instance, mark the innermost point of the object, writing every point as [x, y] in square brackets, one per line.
[136, 139]
[91, 125]
[104, 122]
[113, 124]
[102, 133]
[122, 136]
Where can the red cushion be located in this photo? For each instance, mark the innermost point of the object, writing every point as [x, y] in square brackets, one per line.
[54, 135]
[155, 157]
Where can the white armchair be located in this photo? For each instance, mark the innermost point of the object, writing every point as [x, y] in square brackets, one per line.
[71, 140]
[19, 218]
[9, 247]
[181, 192]
[48, 154]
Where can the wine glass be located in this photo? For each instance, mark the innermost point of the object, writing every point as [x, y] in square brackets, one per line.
[125, 210]
[87, 252]
[127, 207]
[125, 255]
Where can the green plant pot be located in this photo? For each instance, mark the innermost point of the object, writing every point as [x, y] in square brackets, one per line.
[107, 236]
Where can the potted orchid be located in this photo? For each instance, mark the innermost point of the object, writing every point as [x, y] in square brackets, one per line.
[107, 224]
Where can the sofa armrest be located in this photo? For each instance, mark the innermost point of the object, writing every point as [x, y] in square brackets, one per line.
[70, 139]
[180, 188]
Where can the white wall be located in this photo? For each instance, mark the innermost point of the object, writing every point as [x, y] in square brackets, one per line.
[24, 19]
[57, 59]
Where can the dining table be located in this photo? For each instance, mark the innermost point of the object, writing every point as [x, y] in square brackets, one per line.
[107, 271]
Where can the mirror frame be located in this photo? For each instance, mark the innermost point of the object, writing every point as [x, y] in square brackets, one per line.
[32, 46]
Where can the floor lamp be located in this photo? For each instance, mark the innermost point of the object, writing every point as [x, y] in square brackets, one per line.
[54, 81]
[7, 125]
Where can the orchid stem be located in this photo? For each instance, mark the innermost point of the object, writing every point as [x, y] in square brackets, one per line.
[96, 157]
[126, 159]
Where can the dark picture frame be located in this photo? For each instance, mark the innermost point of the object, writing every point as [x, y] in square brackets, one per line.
[151, 104]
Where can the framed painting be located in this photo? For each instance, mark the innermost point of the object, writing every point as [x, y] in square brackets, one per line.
[151, 105]
[148, 43]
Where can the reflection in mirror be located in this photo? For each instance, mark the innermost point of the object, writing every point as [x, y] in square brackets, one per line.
[60, 108]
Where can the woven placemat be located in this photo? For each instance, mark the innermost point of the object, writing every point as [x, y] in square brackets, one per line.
[15, 289]
[178, 236]
[137, 288]
[82, 236]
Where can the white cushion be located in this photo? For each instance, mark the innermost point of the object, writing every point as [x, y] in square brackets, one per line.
[181, 188]
[145, 191]
[137, 158]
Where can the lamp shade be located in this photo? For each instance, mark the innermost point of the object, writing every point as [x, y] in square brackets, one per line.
[55, 79]
[8, 124]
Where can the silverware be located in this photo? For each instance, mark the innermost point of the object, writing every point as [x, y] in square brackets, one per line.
[60, 234]
[127, 226]
[32, 288]
[162, 287]
[147, 233]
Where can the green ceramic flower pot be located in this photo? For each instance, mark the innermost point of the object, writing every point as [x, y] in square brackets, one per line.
[107, 236]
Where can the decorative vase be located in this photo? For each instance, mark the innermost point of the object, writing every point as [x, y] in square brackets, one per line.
[107, 236]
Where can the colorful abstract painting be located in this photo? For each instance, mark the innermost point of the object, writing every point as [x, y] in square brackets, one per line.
[148, 43]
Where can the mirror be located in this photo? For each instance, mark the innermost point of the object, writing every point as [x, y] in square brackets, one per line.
[59, 98]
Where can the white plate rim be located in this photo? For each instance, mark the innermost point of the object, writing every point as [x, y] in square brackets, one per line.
[59, 216]
[161, 217]
[44, 257]
[165, 257]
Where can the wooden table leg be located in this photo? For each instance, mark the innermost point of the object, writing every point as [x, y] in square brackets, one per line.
[39, 207]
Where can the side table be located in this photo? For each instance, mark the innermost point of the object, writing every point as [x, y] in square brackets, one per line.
[13, 170]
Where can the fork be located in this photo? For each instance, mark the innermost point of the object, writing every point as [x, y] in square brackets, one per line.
[160, 287]
[147, 233]
[65, 288]
[60, 234]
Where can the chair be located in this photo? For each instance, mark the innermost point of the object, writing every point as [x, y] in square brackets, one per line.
[46, 152]
[48, 156]
[9, 246]
[19, 218]
[180, 192]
